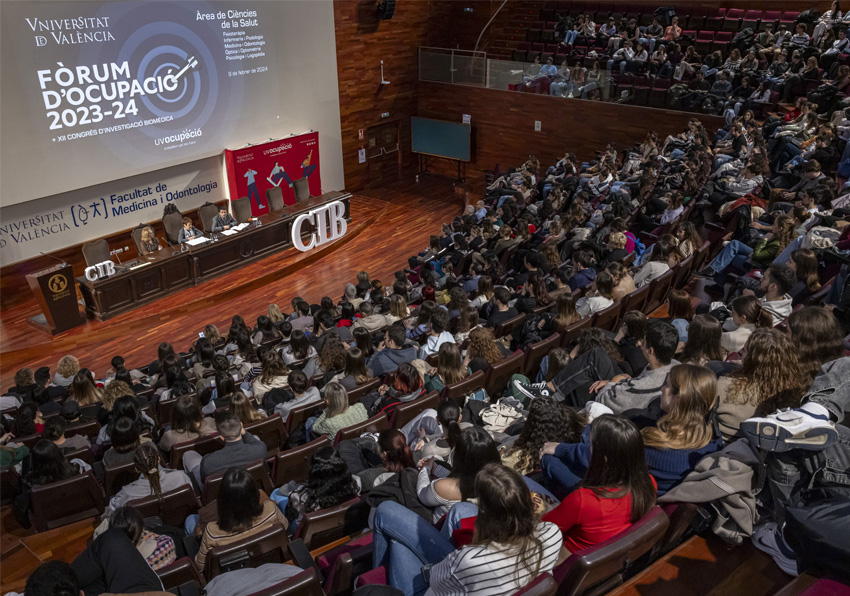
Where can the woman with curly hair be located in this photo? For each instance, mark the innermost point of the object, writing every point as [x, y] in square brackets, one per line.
[458, 301]
[483, 350]
[331, 358]
[590, 339]
[689, 239]
[770, 378]
[66, 369]
[818, 339]
[547, 422]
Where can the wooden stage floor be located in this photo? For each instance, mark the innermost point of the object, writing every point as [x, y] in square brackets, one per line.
[388, 225]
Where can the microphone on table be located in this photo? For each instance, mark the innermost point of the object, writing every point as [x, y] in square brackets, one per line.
[171, 245]
[44, 254]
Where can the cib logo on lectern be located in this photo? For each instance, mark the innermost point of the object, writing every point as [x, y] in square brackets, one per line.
[95, 272]
[328, 217]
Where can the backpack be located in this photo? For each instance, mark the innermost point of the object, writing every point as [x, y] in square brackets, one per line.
[821, 237]
[808, 16]
[499, 416]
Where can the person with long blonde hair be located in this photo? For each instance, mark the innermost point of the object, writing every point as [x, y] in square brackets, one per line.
[339, 414]
[275, 315]
[148, 243]
[770, 378]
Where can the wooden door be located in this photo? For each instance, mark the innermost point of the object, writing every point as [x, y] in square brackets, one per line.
[383, 153]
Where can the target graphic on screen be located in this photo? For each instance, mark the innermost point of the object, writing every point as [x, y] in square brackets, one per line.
[175, 55]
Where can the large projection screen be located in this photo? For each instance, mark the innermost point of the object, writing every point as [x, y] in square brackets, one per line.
[97, 91]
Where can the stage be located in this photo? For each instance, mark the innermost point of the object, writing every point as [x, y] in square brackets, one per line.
[387, 225]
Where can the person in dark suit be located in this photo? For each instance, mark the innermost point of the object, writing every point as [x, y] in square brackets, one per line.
[188, 231]
[223, 221]
[240, 448]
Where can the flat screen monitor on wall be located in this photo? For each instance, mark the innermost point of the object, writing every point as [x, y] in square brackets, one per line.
[439, 138]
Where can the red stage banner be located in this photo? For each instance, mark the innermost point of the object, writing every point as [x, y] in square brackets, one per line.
[253, 170]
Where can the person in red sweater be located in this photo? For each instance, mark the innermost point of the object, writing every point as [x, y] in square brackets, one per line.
[616, 491]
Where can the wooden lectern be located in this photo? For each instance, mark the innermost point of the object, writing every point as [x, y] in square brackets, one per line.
[56, 295]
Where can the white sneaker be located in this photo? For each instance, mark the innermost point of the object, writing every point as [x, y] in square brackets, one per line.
[806, 427]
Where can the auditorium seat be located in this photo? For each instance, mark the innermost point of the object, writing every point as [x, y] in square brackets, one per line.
[270, 431]
[298, 416]
[115, 478]
[181, 572]
[269, 546]
[543, 585]
[355, 394]
[500, 373]
[320, 528]
[608, 318]
[407, 412]
[375, 424]
[174, 507]
[571, 333]
[241, 209]
[96, 252]
[203, 445]
[464, 387]
[604, 565]
[294, 463]
[535, 353]
[258, 471]
[67, 501]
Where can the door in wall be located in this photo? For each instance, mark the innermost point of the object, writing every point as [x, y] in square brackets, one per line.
[383, 153]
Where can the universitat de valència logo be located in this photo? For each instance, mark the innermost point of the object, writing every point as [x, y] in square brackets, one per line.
[72, 31]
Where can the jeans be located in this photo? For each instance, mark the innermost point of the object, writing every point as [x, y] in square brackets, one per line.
[649, 44]
[458, 512]
[707, 72]
[561, 88]
[570, 37]
[574, 381]
[722, 159]
[735, 254]
[403, 542]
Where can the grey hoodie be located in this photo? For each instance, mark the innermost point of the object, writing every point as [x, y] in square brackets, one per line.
[637, 392]
[308, 397]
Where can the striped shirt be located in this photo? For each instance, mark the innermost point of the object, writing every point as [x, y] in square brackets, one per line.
[487, 571]
[215, 536]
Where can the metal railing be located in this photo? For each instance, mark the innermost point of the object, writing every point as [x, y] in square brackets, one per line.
[458, 67]
[465, 67]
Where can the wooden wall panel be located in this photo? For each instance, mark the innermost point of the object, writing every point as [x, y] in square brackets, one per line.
[362, 42]
[13, 284]
[503, 123]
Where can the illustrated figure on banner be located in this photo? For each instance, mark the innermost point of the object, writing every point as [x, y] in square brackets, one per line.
[253, 191]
